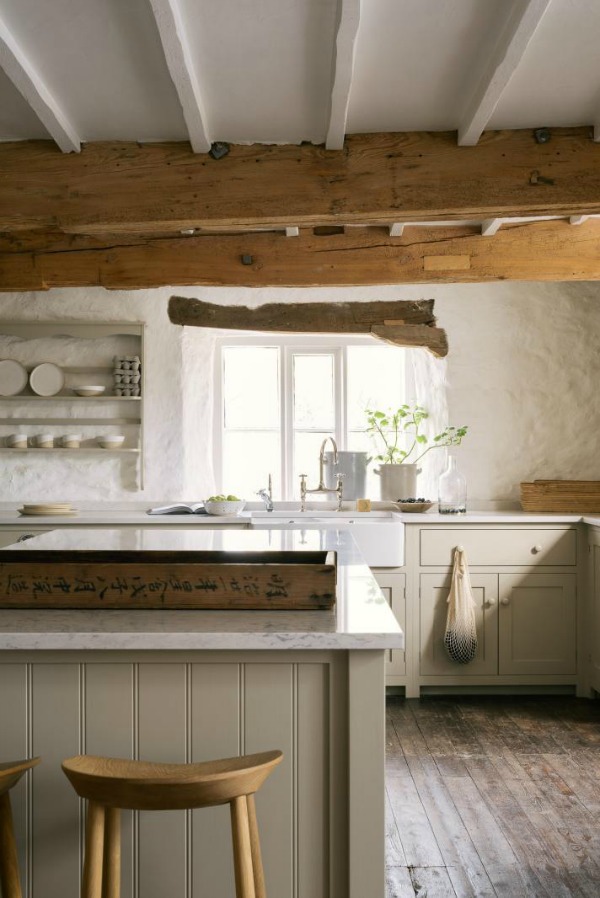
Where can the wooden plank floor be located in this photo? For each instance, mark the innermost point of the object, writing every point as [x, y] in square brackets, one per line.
[493, 796]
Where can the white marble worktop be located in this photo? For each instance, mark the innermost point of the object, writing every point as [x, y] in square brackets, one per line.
[136, 517]
[361, 618]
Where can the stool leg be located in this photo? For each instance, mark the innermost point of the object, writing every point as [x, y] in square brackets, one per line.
[94, 846]
[242, 852]
[259, 875]
[111, 881]
[9, 863]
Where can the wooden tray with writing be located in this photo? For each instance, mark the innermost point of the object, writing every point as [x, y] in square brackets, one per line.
[175, 580]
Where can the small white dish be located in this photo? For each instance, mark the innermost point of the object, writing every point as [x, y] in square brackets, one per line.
[17, 441]
[224, 507]
[45, 441]
[13, 377]
[89, 390]
[111, 441]
[47, 379]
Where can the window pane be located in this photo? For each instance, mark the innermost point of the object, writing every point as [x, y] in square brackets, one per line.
[376, 379]
[251, 386]
[313, 392]
[248, 459]
[306, 459]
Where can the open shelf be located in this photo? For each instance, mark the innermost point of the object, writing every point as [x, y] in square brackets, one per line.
[37, 450]
[61, 397]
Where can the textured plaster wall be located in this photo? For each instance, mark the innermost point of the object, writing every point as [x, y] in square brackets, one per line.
[523, 373]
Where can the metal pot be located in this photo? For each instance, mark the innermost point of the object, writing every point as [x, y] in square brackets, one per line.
[353, 468]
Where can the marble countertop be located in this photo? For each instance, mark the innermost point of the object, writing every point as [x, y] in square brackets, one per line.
[361, 618]
[137, 517]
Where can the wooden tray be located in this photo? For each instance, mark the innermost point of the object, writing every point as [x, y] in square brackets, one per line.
[176, 580]
[567, 496]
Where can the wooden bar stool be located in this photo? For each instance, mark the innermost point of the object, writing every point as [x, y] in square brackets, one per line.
[10, 774]
[110, 784]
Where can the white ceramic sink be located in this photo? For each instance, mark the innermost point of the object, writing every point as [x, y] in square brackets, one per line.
[378, 534]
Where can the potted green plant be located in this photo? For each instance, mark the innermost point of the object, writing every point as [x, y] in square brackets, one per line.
[402, 444]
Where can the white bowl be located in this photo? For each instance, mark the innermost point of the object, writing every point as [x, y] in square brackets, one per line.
[224, 507]
[45, 440]
[71, 440]
[111, 441]
[90, 390]
[17, 440]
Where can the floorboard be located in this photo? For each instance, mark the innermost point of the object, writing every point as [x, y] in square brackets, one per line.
[493, 797]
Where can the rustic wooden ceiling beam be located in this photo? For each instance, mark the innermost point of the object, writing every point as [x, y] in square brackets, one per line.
[125, 188]
[539, 251]
[402, 323]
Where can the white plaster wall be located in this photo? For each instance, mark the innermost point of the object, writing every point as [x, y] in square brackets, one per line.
[523, 373]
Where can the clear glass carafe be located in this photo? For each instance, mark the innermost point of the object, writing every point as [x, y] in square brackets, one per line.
[452, 491]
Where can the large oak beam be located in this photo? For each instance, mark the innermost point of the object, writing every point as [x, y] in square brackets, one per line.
[378, 178]
[539, 251]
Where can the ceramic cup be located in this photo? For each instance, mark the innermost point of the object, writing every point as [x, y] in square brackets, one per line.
[17, 441]
[71, 440]
[45, 441]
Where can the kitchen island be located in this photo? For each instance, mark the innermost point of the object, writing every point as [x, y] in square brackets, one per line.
[191, 685]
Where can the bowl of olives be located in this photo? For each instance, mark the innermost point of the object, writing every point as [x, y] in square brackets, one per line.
[414, 506]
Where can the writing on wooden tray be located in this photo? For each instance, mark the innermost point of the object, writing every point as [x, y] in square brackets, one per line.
[124, 587]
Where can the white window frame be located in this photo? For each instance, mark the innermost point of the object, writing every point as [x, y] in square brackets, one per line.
[291, 344]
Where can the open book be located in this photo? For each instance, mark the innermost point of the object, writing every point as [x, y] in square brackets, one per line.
[196, 508]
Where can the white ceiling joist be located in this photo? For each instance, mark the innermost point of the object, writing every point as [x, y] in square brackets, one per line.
[520, 28]
[29, 83]
[490, 226]
[345, 48]
[176, 48]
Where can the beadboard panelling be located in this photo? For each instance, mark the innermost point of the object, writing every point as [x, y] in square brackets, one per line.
[172, 711]
[56, 735]
[108, 728]
[215, 702]
[313, 773]
[14, 745]
[162, 736]
[270, 711]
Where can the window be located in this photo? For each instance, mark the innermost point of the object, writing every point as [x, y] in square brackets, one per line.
[277, 400]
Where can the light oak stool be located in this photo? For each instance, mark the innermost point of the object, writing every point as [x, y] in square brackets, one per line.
[111, 784]
[10, 774]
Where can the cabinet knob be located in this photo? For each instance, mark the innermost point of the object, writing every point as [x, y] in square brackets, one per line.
[535, 550]
[490, 602]
[505, 601]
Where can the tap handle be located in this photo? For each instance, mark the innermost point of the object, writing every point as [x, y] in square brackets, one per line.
[270, 487]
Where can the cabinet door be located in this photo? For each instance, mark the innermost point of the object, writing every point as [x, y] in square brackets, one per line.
[538, 624]
[594, 637]
[435, 589]
[393, 586]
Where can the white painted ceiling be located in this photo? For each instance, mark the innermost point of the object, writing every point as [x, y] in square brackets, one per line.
[286, 71]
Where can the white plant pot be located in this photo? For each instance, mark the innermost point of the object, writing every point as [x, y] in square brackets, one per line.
[398, 481]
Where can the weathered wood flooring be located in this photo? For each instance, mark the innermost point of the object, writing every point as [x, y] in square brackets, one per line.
[493, 797]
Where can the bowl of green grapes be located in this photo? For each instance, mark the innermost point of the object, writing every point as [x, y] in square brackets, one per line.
[223, 505]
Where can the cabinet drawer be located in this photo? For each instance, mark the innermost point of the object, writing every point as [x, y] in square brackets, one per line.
[498, 547]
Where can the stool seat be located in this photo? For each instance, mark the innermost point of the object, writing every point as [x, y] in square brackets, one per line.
[10, 774]
[113, 784]
[147, 786]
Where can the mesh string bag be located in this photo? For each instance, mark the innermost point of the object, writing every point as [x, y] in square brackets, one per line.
[460, 638]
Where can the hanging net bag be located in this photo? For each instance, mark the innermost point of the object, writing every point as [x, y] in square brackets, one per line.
[460, 638]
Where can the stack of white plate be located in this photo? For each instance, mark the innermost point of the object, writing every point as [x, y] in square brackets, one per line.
[48, 508]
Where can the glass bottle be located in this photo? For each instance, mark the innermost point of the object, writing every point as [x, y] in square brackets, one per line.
[452, 490]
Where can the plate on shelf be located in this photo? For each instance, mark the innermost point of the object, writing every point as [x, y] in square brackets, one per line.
[13, 377]
[47, 512]
[47, 379]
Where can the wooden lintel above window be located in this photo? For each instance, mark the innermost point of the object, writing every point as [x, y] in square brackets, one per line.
[401, 323]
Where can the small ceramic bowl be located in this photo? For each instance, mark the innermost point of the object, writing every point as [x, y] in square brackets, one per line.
[71, 440]
[89, 390]
[45, 441]
[111, 441]
[223, 507]
[413, 507]
[17, 441]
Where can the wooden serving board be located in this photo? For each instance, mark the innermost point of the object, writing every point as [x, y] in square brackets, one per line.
[176, 580]
[567, 496]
